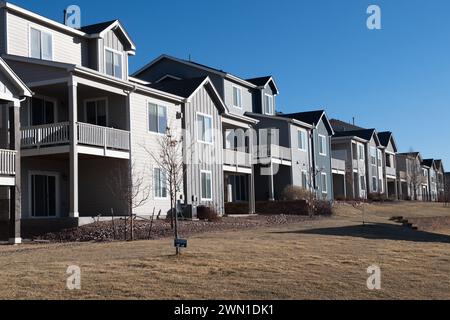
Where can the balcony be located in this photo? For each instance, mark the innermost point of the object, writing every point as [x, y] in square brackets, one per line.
[391, 172]
[338, 165]
[276, 154]
[237, 161]
[7, 167]
[56, 135]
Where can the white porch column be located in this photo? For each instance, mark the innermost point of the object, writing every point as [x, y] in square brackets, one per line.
[73, 119]
[251, 178]
[15, 192]
[271, 183]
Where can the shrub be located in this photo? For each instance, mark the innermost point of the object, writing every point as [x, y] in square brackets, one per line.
[323, 208]
[294, 193]
[208, 214]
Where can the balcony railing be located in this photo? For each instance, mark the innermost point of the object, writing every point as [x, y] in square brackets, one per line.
[89, 135]
[275, 152]
[391, 171]
[236, 158]
[338, 164]
[7, 162]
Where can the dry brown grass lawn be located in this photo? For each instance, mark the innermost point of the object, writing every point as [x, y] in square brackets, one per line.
[324, 259]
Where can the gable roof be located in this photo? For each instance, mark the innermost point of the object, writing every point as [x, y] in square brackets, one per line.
[439, 164]
[312, 118]
[186, 88]
[98, 27]
[24, 91]
[386, 137]
[365, 134]
[339, 125]
[412, 154]
[193, 64]
[428, 163]
[262, 82]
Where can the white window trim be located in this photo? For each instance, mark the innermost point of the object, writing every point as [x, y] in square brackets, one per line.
[154, 193]
[57, 195]
[104, 62]
[212, 130]
[324, 179]
[149, 102]
[240, 94]
[41, 29]
[85, 102]
[272, 111]
[201, 184]
[324, 145]
[306, 139]
[361, 155]
[361, 185]
[374, 187]
[45, 98]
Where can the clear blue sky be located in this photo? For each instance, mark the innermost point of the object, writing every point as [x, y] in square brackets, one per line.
[319, 51]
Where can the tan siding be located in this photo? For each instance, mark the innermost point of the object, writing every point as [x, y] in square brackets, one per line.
[141, 137]
[66, 48]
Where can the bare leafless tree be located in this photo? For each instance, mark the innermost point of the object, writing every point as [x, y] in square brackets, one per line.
[128, 184]
[169, 158]
[415, 178]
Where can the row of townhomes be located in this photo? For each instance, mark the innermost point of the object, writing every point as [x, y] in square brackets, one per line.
[72, 117]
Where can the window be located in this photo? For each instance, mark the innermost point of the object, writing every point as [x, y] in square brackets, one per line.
[322, 145]
[237, 97]
[304, 179]
[41, 44]
[380, 155]
[96, 112]
[388, 160]
[160, 183]
[324, 183]
[374, 184]
[113, 63]
[363, 182]
[206, 181]
[355, 151]
[373, 156]
[380, 183]
[302, 140]
[361, 152]
[268, 103]
[157, 118]
[42, 111]
[204, 128]
[43, 195]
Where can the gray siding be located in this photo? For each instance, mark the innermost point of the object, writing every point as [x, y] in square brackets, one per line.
[323, 162]
[247, 103]
[301, 160]
[201, 156]
[111, 41]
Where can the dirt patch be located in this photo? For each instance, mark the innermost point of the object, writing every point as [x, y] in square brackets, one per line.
[104, 231]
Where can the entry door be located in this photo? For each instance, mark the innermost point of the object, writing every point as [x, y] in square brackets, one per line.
[43, 195]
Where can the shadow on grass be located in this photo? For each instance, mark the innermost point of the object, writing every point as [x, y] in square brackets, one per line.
[376, 231]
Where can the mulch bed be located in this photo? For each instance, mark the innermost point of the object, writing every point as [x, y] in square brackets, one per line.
[104, 231]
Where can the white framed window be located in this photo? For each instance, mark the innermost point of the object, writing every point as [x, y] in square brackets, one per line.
[363, 183]
[324, 183]
[237, 97]
[204, 128]
[96, 111]
[160, 183]
[302, 140]
[361, 153]
[206, 184]
[305, 179]
[322, 145]
[157, 118]
[380, 183]
[113, 63]
[373, 156]
[380, 158]
[41, 44]
[374, 184]
[268, 105]
[42, 110]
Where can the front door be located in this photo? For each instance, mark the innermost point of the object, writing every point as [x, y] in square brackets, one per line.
[43, 195]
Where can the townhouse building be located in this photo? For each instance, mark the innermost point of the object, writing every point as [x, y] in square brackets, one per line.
[75, 130]
[389, 156]
[440, 171]
[413, 184]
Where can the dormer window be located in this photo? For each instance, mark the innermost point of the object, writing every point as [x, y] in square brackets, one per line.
[113, 63]
[268, 104]
[41, 44]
